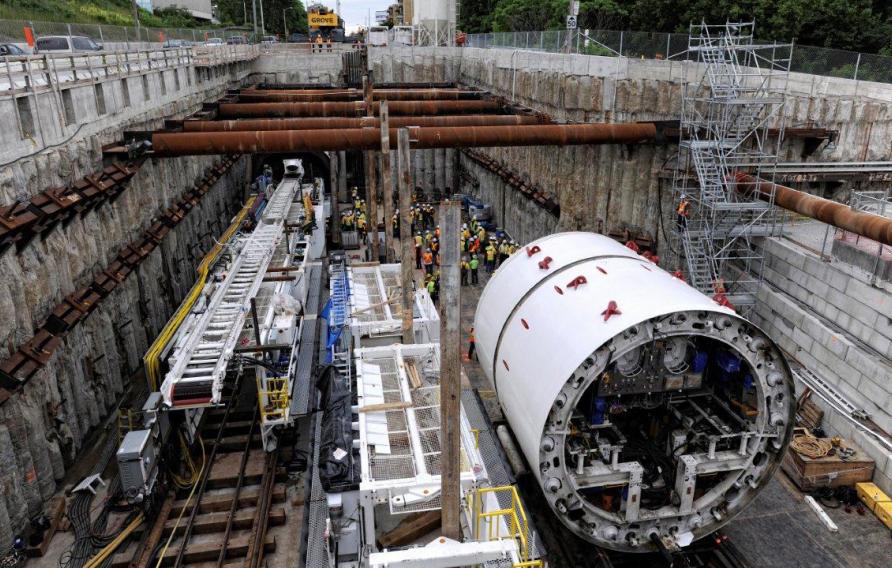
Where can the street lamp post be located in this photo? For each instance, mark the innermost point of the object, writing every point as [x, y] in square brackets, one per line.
[285, 21]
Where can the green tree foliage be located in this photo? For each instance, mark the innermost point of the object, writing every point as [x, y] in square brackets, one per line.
[233, 12]
[858, 25]
[528, 15]
[474, 16]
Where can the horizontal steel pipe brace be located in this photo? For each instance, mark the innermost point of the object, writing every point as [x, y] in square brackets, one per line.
[416, 95]
[330, 87]
[288, 141]
[247, 124]
[842, 216]
[259, 110]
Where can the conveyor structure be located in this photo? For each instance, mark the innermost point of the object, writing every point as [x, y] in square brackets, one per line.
[199, 361]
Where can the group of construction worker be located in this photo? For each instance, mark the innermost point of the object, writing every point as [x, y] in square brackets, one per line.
[321, 45]
[355, 218]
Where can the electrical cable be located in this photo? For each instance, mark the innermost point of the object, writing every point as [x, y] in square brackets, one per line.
[810, 446]
[50, 147]
[176, 525]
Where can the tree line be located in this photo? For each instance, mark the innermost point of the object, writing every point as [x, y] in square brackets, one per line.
[856, 25]
[239, 12]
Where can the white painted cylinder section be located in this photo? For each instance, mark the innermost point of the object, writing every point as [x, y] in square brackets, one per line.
[552, 326]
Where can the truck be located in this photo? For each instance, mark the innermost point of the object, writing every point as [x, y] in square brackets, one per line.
[323, 21]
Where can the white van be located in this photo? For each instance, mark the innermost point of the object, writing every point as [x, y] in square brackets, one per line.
[65, 44]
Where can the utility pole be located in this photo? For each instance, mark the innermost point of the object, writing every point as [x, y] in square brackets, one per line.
[136, 18]
[342, 176]
[254, 12]
[371, 181]
[262, 26]
[387, 182]
[285, 25]
[408, 254]
[335, 206]
[450, 370]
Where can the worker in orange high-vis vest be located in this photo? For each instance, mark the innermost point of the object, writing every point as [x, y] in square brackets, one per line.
[472, 345]
[427, 260]
[683, 210]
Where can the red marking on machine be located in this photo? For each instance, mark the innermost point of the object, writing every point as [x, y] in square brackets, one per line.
[612, 310]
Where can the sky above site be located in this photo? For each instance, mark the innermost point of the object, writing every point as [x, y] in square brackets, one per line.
[357, 12]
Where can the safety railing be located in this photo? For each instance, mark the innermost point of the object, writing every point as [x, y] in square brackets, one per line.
[110, 36]
[210, 55]
[273, 400]
[503, 523]
[656, 45]
[29, 72]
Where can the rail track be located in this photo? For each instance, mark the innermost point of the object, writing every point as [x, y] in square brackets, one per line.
[566, 549]
[224, 518]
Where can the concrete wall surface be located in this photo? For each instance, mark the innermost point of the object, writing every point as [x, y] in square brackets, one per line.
[298, 66]
[831, 320]
[44, 426]
[616, 187]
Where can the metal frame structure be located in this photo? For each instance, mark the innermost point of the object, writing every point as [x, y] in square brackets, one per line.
[725, 120]
[399, 448]
[280, 325]
[375, 310]
[208, 342]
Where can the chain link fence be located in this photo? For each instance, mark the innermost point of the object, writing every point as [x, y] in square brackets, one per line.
[648, 45]
[111, 37]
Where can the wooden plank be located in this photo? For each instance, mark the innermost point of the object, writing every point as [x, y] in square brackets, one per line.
[412, 373]
[410, 529]
[207, 551]
[216, 522]
[385, 406]
[450, 370]
[407, 246]
[223, 501]
[56, 511]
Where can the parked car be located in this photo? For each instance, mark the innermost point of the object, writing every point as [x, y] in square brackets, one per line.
[214, 41]
[269, 40]
[298, 37]
[11, 49]
[236, 40]
[65, 44]
[174, 43]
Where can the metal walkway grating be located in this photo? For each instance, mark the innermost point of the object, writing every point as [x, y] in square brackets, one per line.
[496, 468]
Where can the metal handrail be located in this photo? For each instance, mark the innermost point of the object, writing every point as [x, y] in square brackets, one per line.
[514, 517]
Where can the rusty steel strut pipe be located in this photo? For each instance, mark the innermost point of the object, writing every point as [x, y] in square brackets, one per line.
[867, 225]
[363, 122]
[288, 141]
[418, 95]
[261, 110]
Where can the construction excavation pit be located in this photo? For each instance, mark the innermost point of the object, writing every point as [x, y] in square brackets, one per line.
[437, 300]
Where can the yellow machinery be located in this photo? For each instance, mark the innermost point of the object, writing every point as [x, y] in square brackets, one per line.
[489, 524]
[325, 22]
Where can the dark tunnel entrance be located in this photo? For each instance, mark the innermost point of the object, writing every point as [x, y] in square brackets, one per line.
[316, 165]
